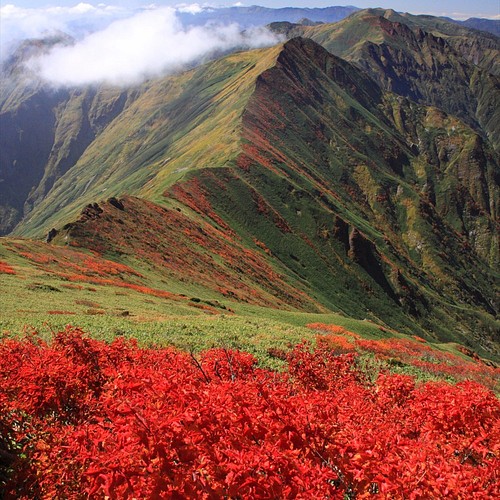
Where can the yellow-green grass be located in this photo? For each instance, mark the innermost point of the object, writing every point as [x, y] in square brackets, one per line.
[36, 299]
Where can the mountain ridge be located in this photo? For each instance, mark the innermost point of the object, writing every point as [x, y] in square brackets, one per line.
[316, 203]
[292, 172]
[478, 93]
[430, 60]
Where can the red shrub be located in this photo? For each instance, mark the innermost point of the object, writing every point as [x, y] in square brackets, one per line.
[112, 420]
[5, 268]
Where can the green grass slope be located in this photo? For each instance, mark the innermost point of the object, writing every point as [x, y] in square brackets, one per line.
[332, 182]
[337, 196]
[179, 123]
[42, 291]
[288, 179]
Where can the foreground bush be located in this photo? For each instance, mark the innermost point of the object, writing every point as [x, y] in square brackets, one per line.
[82, 418]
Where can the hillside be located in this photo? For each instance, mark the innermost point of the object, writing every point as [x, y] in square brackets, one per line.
[430, 60]
[285, 178]
[272, 275]
[489, 25]
[336, 196]
[115, 141]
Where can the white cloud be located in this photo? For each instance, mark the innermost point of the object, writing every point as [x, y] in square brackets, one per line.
[193, 8]
[20, 23]
[119, 45]
[147, 44]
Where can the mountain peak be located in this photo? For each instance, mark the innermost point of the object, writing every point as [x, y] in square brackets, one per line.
[301, 55]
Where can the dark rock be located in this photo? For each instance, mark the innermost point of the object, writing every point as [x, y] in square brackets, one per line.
[52, 234]
[363, 252]
[341, 231]
[91, 211]
[116, 203]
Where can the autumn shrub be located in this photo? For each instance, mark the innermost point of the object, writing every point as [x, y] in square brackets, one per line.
[6, 268]
[80, 418]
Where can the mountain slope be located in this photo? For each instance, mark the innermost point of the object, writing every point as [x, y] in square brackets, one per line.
[489, 25]
[288, 177]
[173, 124]
[427, 59]
[44, 133]
[361, 201]
[47, 133]
[343, 194]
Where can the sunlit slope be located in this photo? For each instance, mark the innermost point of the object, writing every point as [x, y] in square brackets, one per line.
[89, 143]
[186, 250]
[365, 197]
[381, 26]
[361, 201]
[179, 123]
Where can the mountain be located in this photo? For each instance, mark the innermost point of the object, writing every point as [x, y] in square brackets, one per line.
[489, 25]
[286, 178]
[430, 60]
[260, 16]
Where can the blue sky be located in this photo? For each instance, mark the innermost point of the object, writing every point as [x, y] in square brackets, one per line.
[451, 8]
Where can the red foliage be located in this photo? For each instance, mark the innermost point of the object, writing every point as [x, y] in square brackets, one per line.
[178, 246]
[335, 337]
[336, 329]
[415, 352]
[98, 420]
[423, 356]
[5, 268]
[78, 262]
[192, 194]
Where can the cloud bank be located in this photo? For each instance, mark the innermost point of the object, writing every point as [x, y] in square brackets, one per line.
[18, 23]
[126, 47]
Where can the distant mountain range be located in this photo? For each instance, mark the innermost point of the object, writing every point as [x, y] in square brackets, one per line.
[260, 16]
[353, 168]
[490, 25]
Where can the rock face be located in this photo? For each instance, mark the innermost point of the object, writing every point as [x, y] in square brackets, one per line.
[51, 235]
[430, 71]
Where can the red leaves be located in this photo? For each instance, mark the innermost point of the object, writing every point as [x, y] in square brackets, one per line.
[96, 419]
[441, 363]
[228, 364]
[5, 268]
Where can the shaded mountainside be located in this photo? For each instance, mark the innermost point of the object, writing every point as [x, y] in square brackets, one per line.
[342, 197]
[44, 132]
[489, 25]
[427, 59]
